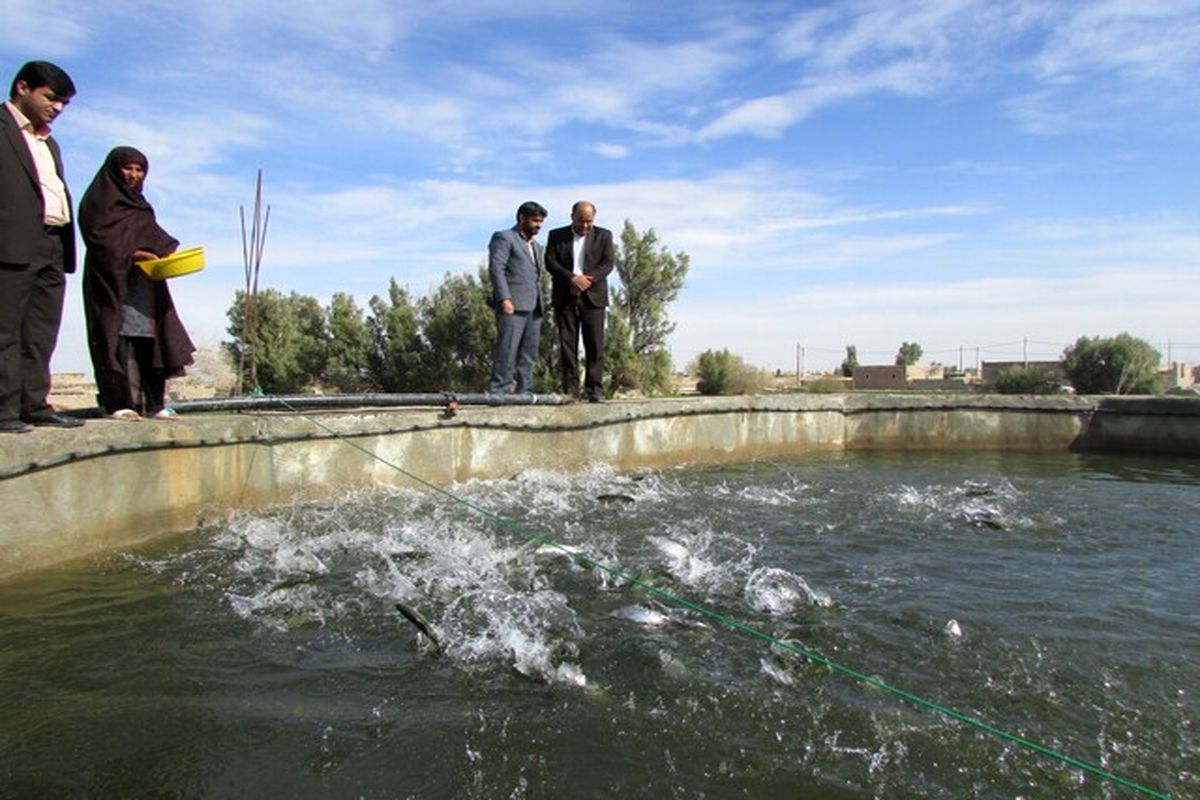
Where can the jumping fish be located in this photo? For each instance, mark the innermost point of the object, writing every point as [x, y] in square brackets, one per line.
[614, 498]
[985, 518]
[670, 548]
[420, 623]
[559, 551]
[646, 617]
[653, 618]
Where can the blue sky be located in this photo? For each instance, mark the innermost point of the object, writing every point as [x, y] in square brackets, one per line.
[994, 174]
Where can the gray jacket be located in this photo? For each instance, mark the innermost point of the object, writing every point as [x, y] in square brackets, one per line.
[514, 276]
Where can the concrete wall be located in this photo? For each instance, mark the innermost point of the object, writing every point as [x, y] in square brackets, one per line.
[71, 493]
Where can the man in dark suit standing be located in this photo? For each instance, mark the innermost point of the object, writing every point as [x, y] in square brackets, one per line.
[37, 245]
[515, 268]
[579, 258]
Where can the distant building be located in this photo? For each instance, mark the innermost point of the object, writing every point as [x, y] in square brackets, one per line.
[1179, 375]
[896, 376]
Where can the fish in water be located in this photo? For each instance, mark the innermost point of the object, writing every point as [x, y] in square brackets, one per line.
[614, 498]
[420, 623]
[985, 518]
[670, 548]
[559, 551]
[653, 618]
[646, 617]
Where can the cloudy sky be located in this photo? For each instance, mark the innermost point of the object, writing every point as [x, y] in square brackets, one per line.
[984, 177]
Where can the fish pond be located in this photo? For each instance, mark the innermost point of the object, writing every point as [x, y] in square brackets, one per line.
[501, 639]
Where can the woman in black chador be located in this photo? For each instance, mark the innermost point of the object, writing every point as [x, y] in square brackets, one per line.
[134, 334]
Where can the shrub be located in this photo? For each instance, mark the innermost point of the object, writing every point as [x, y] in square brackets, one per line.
[721, 372]
[1026, 380]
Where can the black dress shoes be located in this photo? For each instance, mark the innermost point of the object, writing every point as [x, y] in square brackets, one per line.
[53, 420]
[14, 426]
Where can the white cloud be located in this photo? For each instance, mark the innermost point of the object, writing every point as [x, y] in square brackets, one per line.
[1150, 40]
[1141, 53]
[179, 144]
[608, 150]
[38, 30]
[855, 50]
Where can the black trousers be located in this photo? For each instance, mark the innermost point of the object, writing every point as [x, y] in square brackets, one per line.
[571, 320]
[31, 302]
[145, 386]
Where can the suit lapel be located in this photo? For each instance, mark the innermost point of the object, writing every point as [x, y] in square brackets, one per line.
[589, 244]
[524, 247]
[16, 140]
[58, 162]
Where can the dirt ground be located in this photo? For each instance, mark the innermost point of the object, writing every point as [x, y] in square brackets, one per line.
[209, 376]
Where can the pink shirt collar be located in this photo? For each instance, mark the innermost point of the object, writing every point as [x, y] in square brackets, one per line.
[25, 123]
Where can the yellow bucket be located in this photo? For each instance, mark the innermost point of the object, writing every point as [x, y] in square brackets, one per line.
[183, 262]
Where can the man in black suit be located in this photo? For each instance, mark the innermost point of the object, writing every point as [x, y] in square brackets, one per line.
[579, 258]
[37, 245]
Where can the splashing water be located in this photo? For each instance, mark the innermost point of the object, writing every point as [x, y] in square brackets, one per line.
[276, 640]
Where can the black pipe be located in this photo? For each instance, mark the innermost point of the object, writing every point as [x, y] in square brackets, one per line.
[282, 402]
[374, 400]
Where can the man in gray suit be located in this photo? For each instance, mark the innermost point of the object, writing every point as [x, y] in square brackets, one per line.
[515, 262]
[37, 245]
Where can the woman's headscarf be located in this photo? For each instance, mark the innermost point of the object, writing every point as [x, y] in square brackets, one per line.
[115, 219]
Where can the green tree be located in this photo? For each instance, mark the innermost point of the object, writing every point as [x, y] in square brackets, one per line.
[909, 354]
[459, 328]
[651, 277]
[348, 351]
[722, 372]
[547, 372]
[290, 338]
[1120, 364]
[620, 362]
[397, 350]
[1026, 380]
[850, 361]
[312, 342]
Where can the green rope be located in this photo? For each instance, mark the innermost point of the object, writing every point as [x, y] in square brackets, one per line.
[748, 629]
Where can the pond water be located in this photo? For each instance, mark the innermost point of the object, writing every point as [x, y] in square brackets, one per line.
[1053, 596]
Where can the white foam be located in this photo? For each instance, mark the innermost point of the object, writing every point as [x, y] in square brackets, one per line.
[778, 592]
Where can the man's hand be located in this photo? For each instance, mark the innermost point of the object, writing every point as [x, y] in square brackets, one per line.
[580, 283]
[507, 307]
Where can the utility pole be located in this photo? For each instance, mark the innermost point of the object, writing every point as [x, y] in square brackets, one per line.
[1025, 352]
[797, 365]
[960, 369]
